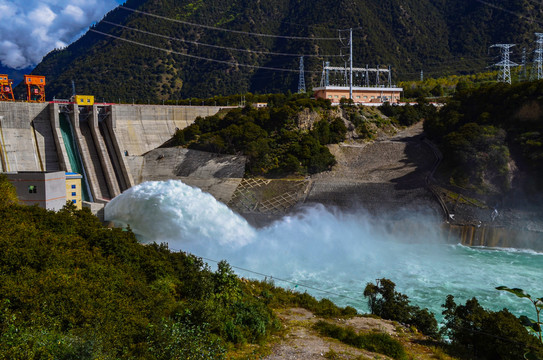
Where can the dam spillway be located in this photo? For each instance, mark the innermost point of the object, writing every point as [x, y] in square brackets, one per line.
[73, 154]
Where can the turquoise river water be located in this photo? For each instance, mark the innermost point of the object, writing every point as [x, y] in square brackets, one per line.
[320, 249]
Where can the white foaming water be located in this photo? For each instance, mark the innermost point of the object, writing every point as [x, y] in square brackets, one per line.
[172, 211]
[329, 250]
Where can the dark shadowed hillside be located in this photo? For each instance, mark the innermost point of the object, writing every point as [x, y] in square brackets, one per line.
[438, 36]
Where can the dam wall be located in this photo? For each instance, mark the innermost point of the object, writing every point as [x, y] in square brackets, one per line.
[26, 138]
[494, 237]
[142, 128]
[113, 181]
[119, 146]
[89, 151]
[31, 138]
[219, 175]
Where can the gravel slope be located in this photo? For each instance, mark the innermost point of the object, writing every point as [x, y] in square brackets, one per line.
[382, 177]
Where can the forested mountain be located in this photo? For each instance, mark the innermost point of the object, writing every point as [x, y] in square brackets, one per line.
[437, 36]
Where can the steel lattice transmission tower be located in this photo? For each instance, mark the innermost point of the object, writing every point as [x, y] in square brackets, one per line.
[505, 63]
[301, 81]
[537, 68]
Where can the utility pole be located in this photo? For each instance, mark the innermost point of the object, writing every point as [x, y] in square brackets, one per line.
[327, 77]
[351, 63]
[421, 76]
[505, 63]
[301, 80]
[389, 76]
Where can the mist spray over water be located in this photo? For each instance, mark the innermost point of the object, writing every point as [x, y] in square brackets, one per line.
[330, 250]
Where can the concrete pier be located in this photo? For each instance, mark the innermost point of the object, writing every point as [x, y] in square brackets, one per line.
[102, 152]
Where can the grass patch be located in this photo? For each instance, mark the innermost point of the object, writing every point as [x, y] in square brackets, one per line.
[375, 342]
[463, 199]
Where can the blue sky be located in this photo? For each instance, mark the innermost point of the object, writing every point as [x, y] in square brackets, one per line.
[29, 29]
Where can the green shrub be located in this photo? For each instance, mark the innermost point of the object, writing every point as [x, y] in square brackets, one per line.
[327, 308]
[268, 137]
[8, 195]
[479, 129]
[72, 289]
[171, 340]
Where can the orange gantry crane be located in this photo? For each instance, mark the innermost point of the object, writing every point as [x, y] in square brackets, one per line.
[6, 91]
[35, 86]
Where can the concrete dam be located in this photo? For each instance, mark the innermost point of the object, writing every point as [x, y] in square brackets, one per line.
[101, 142]
[117, 146]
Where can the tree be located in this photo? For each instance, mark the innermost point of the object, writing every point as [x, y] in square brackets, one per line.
[487, 334]
[409, 116]
[321, 131]
[385, 302]
[389, 304]
[437, 90]
[338, 130]
[532, 325]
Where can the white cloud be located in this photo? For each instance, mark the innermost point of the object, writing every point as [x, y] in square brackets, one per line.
[42, 16]
[76, 13]
[10, 53]
[29, 29]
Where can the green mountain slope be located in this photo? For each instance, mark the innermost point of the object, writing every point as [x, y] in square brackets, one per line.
[435, 35]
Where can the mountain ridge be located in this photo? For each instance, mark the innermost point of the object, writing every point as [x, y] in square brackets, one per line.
[441, 37]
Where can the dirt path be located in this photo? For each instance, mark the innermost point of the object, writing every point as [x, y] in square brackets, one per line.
[302, 342]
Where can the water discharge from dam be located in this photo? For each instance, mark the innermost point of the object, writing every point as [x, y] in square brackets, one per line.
[333, 251]
[73, 154]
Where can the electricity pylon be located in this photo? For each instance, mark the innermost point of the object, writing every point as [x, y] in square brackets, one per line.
[301, 81]
[505, 63]
[537, 68]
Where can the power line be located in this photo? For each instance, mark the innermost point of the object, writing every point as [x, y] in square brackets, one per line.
[286, 22]
[225, 9]
[225, 30]
[442, 65]
[215, 46]
[509, 11]
[195, 56]
[271, 277]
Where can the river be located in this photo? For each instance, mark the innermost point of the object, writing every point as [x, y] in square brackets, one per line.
[329, 253]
